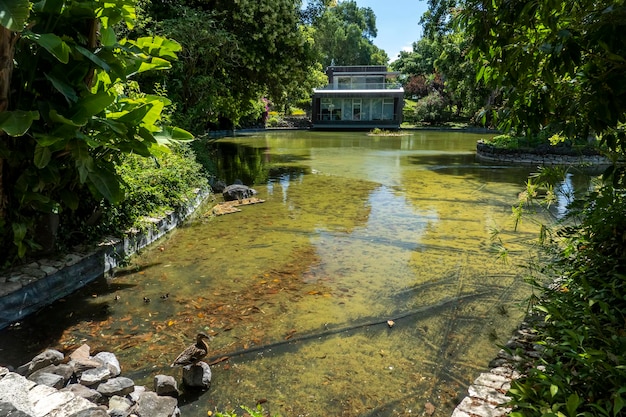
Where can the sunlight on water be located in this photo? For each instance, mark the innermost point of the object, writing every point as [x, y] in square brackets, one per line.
[298, 291]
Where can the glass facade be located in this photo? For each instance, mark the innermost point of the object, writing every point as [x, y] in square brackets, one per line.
[362, 109]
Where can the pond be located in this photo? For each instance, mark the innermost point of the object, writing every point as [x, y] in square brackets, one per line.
[368, 283]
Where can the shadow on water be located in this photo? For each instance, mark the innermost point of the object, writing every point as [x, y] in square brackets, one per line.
[367, 284]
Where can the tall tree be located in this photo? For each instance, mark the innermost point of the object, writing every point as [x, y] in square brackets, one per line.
[344, 35]
[233, 54]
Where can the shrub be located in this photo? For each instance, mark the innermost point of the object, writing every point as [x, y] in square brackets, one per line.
[152, 186]
[431, 109]
[273, 121]
[582, 369]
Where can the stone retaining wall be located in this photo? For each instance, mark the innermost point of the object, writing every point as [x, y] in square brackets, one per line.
[488, 153]
[28, 288]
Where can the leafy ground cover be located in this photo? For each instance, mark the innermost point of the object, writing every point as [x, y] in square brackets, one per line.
[582, 371]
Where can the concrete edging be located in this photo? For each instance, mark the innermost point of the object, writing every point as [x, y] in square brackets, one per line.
[36, 285]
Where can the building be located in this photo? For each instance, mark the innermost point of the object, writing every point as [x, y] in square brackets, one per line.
[358, 97]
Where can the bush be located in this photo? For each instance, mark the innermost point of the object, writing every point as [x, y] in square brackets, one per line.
[273, 121]
[432, 109]
[583, 367]
[152, 187]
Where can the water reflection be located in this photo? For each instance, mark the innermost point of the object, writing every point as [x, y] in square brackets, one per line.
[298, 291]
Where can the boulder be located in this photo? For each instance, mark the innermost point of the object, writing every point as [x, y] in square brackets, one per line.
[45, 358]
[91, 412]
[152, 405]
[165, 385]
[238, 192]
[14, 389]
[94, 376]
[63, 371]
[116, 386]
[8, 409]
[110, 360]
[47, 378]
[119, 404]
[139, 389]
[198, 375]
[87, 393]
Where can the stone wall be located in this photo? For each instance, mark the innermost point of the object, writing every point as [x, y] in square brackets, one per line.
[28, 288]
[553, 157]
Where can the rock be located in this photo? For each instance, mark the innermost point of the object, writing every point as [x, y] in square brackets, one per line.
[109, 359]
[91, 412]
[82, 352]
[151, 405]
[120, 404]
[134, 396]
[47, 378]
[165, 385]
[198, 375]
[87, 393]
[82, 365]
[238, 192]
[63, 370]
[14, 389]
[81, 361]
[116, 386]
[49, 402]
[45, 358]
[94, 376]
[8, 409]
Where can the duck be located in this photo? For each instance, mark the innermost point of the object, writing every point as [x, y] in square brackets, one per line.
[193, 353]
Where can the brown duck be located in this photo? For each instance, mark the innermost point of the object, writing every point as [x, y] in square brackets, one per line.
[194, 353]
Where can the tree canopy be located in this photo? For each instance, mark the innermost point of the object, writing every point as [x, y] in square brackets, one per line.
[233, 55]
[344, 35]
[560, 64]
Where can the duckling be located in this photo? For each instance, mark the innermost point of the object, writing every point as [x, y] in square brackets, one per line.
[165, 296]
[194, 353]
[146, 300]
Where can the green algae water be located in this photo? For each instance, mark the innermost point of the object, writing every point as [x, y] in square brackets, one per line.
[367, 283]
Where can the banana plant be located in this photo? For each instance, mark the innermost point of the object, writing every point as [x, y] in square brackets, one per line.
[67, 112]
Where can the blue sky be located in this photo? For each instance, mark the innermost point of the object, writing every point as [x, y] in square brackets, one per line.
[397, 22]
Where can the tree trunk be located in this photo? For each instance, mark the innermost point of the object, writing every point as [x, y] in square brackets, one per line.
[7, 43]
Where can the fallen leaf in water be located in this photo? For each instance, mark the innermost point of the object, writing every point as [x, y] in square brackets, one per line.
[313, 292]
[170, 322]
[429, 409]
[200, 315]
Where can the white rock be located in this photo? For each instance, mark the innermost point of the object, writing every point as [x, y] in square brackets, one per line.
[110, 360]
[94, 376]
[14, 389]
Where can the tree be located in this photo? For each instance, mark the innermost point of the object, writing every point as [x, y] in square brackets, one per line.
[67, 113]
[560, 64]
[344, 35]
[233, 55]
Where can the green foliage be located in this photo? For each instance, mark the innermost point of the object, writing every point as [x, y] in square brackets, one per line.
[71, 115]
[440, 58]
[582, 368]
[234, 54]
[153, 187]
[557, 63]
[431, 109]
[343, 34]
